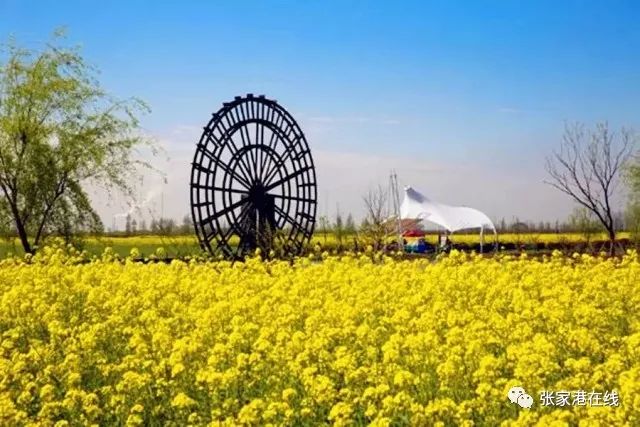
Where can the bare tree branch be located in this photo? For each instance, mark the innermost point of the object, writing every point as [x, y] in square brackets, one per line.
[376, 204]
[588, 166]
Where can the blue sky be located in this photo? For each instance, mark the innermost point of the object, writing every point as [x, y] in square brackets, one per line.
[465, 99]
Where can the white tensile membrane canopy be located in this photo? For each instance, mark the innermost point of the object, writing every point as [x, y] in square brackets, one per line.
[451, 218]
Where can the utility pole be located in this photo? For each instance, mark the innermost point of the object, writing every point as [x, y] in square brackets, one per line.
[393, 178]
[326, 204]
[140, 201]
[161, 205]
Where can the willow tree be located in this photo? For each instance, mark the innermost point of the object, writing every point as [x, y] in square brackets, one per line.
[60, 132]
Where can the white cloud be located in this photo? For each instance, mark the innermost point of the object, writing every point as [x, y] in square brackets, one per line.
[500, 190]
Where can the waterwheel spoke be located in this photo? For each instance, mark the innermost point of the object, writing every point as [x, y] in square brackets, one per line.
[246, 141]
[284, 179]
[223, 239]
[225, 211]
[297, 199]
[282, 159]
[229, 190]
[235, 226]
[231, 172]
[221, 189]
[273, 142]
[287, 217]
[228, 138]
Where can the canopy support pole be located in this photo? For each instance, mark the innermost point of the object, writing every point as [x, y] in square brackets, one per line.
[481, 238]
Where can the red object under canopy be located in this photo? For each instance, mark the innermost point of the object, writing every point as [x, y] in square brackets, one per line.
[413, 233]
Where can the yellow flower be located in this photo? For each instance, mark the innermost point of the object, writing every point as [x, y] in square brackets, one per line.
[356, 339]
[288, 394]
[182, 401]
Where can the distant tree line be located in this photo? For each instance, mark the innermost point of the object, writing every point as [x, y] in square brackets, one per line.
[342, 227]
[156, 226]
[577, 222]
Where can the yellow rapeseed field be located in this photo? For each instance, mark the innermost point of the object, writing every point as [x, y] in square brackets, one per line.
[361, 339]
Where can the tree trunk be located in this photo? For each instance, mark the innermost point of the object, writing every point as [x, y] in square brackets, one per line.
[22, 233]
[24, 239]
[612, 241]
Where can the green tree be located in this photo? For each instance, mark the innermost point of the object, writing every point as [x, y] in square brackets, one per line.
[187, 225]
[164, 226]
[324, 227]
[168, 225]
[338, 229]
[632, 221]
[350, 225]
[127, 227]
[59, 131]
[632, 175]
[585, 222]
[632, 211]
